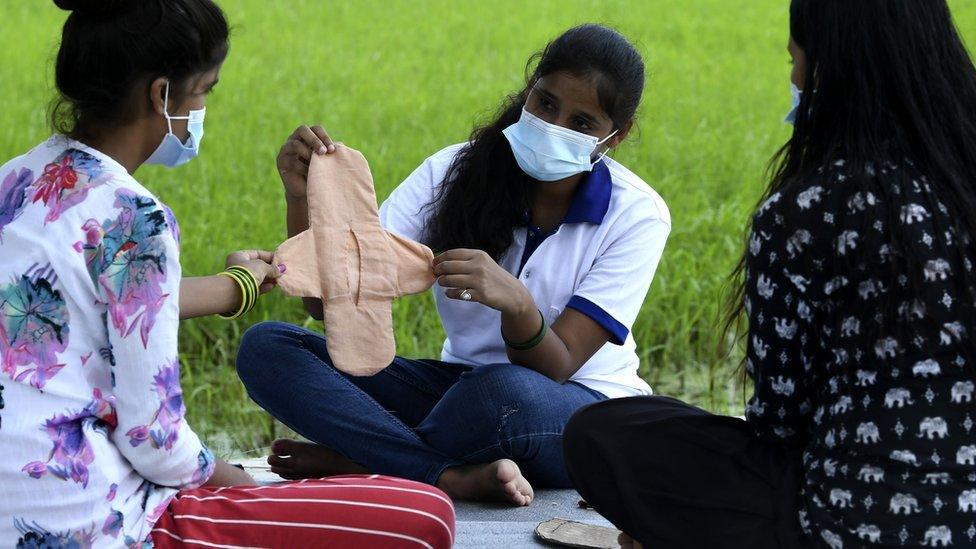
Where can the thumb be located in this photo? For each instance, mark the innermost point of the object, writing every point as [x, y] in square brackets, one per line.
[276, 270]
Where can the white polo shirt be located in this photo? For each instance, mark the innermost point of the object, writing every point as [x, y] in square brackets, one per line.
[600, 261]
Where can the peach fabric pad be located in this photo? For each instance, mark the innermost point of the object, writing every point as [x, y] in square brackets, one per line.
[351, 263]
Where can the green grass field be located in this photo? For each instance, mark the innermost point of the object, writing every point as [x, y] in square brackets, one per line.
[399, 80]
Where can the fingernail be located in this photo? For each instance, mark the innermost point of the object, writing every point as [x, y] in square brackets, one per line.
[322, 150]
[332, 148]
[282, 268]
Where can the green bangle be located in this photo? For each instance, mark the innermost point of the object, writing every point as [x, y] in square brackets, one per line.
[249, 290]
[240, 310]
[250, 283]
[532, 342]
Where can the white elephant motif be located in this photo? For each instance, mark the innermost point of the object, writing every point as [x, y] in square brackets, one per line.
[886, 348]
[802, 309]
[756, 408]
[830, 439]
[759, 347]
[830, 467]
[765, 287]
[869, 532]
[851, 327]
[914, 213]
[903, 503]
[783, 386]
[867, 289]
[847, 241]
[786, 329]
[937, 478]
[807, 198]
[933, 427]
[937, 269]
[870, 473]
[832, 540]
[951, 332]
[840, 498]
[926, 368]
[865, 378]
[841, 356]
[860, 201]
[867, 433]
[898, 397]
[962, 391]
[937, 536]
[835, 284]
[967, 501]
[755, 245]
[966, 455]
[796, 243]
[904, 456]
[914, 309]
[769, 202]
[842, 406]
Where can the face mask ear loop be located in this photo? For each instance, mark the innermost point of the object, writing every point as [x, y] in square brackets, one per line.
[169, 121]
[604, 140]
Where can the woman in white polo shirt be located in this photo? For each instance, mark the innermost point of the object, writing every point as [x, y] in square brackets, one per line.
[548, 251]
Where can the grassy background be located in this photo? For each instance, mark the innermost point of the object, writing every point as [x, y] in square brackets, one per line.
[401, 79]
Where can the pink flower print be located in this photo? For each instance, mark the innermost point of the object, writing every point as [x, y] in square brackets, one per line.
[153, 516]
[93, 232]
[164, 429]
[138, 435]
[126, 260]
[35, 469]
[33, 327]
[112, 491]
[13, 196]
[171, 410]
[113, 524]
[57, 177]
[205, 467]
[72, 453]
[34, 536]
[60, 186]
[103, 408]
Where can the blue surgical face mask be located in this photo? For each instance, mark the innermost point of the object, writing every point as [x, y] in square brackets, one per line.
[172, 152]
[797, 94]
[547, 152]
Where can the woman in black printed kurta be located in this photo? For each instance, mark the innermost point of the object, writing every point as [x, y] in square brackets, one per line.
[859, 287]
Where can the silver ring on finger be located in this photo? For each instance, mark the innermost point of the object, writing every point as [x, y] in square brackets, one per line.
[466, 295]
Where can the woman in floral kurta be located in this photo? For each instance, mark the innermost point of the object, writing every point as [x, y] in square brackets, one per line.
[96, 449]
[89, 306]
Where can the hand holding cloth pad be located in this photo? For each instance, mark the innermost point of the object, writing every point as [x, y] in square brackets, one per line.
[351, 263]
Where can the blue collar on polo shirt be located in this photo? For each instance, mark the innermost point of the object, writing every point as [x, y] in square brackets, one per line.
[592, 199]
[590, 205]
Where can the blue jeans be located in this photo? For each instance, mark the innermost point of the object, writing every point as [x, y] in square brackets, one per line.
[415, 418]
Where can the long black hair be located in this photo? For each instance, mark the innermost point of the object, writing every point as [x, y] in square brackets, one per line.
[887, 81]
[485, 195]
[109, 47]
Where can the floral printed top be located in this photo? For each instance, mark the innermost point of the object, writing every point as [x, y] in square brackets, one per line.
[91, 415]
[870, 376]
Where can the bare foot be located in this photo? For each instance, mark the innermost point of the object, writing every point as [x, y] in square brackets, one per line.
[294, 460]
[627, 542]
[501, 481]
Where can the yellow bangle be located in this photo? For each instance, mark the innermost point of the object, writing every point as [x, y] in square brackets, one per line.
[248, 287]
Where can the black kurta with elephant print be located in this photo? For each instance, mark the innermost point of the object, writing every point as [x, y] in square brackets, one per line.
[862, 357]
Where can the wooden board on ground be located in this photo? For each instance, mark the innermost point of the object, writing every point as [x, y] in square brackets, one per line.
[570, 533]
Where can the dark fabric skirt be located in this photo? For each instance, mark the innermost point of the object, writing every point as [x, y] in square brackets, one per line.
[673, 476]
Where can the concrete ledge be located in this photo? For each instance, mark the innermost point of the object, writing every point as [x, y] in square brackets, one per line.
[490, 525]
